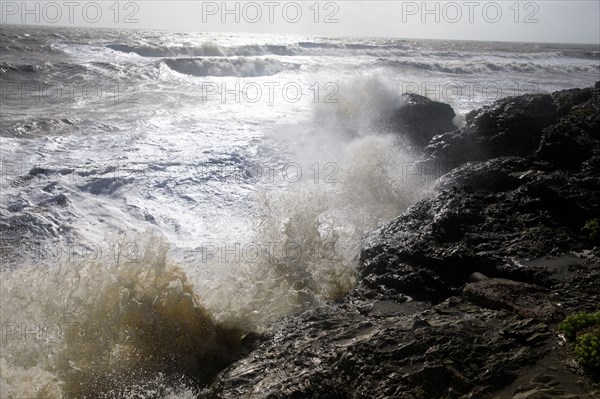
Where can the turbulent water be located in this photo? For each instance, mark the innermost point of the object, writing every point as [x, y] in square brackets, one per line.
[165, 194]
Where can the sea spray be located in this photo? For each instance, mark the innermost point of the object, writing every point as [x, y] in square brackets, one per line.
[132, 324]
[355, 177]
[98, 329]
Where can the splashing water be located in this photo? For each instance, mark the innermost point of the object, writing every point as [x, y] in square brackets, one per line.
[98, 329]
[305, 248]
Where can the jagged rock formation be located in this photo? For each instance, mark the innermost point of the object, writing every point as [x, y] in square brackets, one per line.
[523, 178]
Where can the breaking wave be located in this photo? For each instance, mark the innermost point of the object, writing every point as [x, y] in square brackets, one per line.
[117, 327]
[240, 67]
[142, 326]
[207, 49]
[463, 68]
[39, 68]
[211, 49]
[307, 238]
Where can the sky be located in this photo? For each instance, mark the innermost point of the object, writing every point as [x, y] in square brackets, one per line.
[576, 21]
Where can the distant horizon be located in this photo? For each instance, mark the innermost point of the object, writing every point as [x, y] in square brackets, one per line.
[546, 21]
[2, 25]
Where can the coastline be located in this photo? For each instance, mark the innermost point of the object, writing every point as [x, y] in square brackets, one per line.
[415, 326]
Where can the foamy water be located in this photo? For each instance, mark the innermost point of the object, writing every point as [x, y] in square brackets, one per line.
[165, 194]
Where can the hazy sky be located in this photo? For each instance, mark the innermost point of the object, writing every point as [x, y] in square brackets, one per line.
[534, 21]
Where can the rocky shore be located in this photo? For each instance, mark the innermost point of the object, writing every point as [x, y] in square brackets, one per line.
[461, 295]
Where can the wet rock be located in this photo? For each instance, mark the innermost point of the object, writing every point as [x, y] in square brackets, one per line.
[457, 296]
[510, 127]
[495, 175]
[525, 299]
[523, 126]
[420, 118]
[443, 240]
[575, 138]
[445, 352]
[567, 99]
[485, 213]
[475, 277]
[529, 332]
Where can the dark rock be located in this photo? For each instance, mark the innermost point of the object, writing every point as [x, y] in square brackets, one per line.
[567, 99]
[413, 282]
[438, 243]
[488, 212]
[514, 118]
[525, 299]
[337, 352]
[575, 138]
[475, 277]
[495, 175]
[420, 118]
[511, 203]
[529, 331]
[520, 126]
[510, 127]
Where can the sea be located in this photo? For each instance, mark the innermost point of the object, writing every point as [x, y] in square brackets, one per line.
[166, 196]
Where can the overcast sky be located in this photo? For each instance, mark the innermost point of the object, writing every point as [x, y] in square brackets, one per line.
[530, 21]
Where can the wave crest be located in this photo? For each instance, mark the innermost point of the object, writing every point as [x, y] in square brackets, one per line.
[207, 49]
[239, 67]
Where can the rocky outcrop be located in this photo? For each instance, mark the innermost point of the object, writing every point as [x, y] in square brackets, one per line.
[459, 297]
[520, 126]
[434, 246]
[380, 349]
[387, 350]
[487, 214]
[420, 119]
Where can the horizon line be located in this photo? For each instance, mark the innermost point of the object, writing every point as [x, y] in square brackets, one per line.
[73, 26]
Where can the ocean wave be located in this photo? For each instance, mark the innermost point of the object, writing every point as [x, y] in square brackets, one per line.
[308, 48]
[310, 233]
[43, 125]
[240, 67]
[42, 70]
[352, 46]
[60, 82]
[208, 49]
[465, 55]
[126, 323]
[267, 49]
[491, 67]
[6, 67]
[592, 54]
[211, 49]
